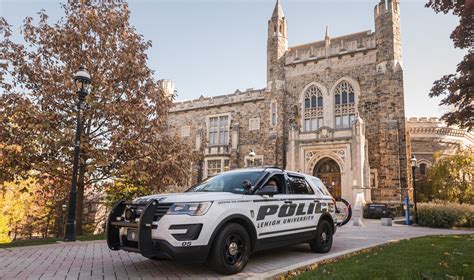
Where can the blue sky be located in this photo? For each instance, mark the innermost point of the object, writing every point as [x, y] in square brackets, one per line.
[213, 47]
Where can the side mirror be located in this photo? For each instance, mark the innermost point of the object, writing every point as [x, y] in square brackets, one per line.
[268, 190]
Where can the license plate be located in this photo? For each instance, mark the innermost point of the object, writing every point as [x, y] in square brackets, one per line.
[132, 235]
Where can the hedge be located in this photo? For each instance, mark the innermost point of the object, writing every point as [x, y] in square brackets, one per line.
[446, 215]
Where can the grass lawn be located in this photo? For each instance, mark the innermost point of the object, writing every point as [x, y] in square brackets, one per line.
[49, 240]
[433, 257]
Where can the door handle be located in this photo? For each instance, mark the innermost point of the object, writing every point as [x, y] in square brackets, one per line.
[288, 201]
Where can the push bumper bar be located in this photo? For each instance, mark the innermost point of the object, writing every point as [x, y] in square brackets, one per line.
[144, 244]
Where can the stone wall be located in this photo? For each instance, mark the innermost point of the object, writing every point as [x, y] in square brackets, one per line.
[242, 108]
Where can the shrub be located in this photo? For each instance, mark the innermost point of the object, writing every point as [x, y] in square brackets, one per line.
[451, 178]
[446, 215]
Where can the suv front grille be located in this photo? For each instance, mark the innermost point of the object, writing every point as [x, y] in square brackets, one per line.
[133, 212]
[161, 210]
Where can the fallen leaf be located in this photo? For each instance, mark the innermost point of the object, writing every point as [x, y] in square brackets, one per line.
[444, 264]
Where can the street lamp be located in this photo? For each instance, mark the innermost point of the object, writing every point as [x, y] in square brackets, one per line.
[252, 157]
[413, 166]
[82, 81]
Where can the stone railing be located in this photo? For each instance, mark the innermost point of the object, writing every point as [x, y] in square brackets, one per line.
[339, 46]
[204, 102]
[217, 150]
[435, 131]
[434, 127]
[324, 134]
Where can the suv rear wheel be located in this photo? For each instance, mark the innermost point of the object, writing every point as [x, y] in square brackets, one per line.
[231, 250]
[323, 241]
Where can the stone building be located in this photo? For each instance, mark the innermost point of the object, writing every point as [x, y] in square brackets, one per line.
[333, 108]
[432, 138]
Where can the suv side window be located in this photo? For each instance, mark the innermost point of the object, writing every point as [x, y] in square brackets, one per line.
[320, 186]
[298, 185]
[279, 181]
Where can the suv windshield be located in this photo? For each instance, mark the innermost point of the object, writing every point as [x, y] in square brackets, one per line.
[227, 182]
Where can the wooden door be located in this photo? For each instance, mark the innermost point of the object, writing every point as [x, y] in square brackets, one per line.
[328, 171]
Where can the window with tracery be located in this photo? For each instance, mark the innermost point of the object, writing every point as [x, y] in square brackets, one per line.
[344, 105]
[313, 109]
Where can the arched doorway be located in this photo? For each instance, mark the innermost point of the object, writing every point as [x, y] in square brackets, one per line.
[329, 172]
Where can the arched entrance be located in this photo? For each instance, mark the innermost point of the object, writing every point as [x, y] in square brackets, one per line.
[329, 172]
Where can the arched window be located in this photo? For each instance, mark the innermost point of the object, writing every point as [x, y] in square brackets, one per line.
[423, 169]
[344, 109]
[313, 109]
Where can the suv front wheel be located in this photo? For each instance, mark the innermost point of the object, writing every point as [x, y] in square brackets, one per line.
[231, 250]
[323, 241]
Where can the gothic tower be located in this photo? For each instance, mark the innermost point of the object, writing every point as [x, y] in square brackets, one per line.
[391, 139]
[277, 45]
[387, 32]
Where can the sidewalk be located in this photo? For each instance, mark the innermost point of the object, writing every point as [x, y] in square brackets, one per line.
[93, 259]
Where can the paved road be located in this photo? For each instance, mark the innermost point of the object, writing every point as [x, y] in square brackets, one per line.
[93, 260]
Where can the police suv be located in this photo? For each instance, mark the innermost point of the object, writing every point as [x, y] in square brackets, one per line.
[226, 218]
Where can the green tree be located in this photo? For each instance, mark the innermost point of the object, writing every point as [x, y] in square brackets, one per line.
[124, 126]
[457, 88]
[451, 178]
[126, 191]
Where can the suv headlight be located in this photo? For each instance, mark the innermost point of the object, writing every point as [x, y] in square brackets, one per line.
[193, 209]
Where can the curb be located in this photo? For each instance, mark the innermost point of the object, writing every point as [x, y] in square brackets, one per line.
[56, 244]
[328, 257]
[325, 258]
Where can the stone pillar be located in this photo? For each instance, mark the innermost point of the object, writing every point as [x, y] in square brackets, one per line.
[292, 151]
[360, 165]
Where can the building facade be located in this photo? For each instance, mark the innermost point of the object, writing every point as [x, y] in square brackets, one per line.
[431, 138]
[333, 108]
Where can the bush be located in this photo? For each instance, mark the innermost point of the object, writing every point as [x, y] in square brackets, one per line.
[446, 215]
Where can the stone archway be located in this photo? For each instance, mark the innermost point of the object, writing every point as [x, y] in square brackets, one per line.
[329, 172]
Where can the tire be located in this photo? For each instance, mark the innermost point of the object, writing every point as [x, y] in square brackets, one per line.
[323, 241]
[343, 212]
[231, 250]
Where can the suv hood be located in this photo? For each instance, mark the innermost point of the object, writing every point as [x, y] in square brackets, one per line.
[188, 197]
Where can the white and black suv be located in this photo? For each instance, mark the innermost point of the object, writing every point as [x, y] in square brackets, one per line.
[226, 218]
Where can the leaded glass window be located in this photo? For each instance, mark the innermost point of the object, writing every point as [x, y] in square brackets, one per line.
[345, 108]
[313, 109]
[219, 130]
[213, 167]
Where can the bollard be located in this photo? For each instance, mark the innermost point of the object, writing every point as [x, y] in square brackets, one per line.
[386, 222]
[407, 210]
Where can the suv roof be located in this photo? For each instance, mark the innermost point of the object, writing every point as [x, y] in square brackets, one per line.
[273, 168]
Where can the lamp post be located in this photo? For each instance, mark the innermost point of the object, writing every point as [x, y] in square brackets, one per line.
[63, 217]
[252, 157]
[82, 81]
[413, 166]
